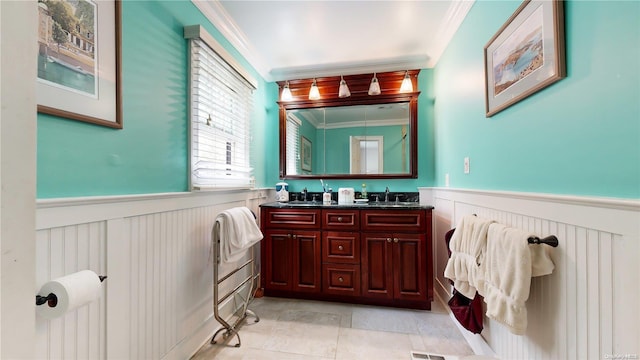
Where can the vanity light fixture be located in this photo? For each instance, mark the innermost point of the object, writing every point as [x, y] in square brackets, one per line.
[343, 91]
[314, 93]
[407, 85]
[374, 88]
[286, 93]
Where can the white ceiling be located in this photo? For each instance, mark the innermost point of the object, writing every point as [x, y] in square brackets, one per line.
[285, 40]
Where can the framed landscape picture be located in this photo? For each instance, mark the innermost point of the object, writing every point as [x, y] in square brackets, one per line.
[79, 60]
[305, 154]
[526, 55]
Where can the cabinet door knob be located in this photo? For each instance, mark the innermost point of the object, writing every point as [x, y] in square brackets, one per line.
[340, 247]
[294, 236]
[339, 218]
[395, 240]
[340, 279]
[289, 236]
[388, 240]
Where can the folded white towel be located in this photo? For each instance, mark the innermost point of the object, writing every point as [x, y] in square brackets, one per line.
[508, 266]
[467, 247]
[237, 232]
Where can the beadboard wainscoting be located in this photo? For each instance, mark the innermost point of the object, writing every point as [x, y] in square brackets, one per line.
[157, 302]
[587, 308]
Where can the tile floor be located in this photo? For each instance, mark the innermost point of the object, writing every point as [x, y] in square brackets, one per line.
[301, 329]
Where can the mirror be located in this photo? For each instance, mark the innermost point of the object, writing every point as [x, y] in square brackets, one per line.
[349, 140]
[357, 137]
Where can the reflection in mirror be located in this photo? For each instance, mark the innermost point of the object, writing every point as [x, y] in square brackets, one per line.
[360, 139]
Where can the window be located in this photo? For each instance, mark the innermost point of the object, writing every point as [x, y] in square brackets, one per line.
[221, 103]
[293, 145]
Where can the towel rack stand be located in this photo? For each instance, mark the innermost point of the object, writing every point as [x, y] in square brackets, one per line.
[251, 279]
[550, 240]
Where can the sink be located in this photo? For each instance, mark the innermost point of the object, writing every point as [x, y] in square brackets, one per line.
[303, 203]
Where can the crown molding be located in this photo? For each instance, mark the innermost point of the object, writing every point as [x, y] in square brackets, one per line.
[220, 18]
[449, 26]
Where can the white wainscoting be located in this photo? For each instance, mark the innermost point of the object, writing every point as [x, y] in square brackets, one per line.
[588, 308]
[157, 301]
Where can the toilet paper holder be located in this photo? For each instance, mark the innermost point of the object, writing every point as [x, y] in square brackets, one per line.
[52, 299]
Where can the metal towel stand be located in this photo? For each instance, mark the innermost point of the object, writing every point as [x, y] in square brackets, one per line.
[231, 329]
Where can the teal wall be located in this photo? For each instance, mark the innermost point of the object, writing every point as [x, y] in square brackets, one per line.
[580, 136]
[150, 155]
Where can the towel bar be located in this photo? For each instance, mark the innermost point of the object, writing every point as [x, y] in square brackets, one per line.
[550, 240]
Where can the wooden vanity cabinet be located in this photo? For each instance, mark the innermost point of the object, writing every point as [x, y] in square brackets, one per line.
[371, 256]
[291, 250]
[396, 261]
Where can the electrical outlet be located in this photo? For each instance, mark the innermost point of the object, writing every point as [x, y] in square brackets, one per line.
[466, 165]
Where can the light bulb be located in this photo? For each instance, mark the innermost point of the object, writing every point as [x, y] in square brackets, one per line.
[286, 93]
[314, 93]
[343, 92]
[407, 85]
[374, 88]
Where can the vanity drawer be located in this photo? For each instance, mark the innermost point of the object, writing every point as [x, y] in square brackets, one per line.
[341, 279]
[291, 218]
[394, 220]
[340, 219]
[341, 247]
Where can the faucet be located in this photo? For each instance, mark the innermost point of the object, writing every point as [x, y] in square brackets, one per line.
[304, 194]
[386, 194]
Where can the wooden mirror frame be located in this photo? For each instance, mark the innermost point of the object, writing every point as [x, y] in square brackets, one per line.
[359, 86]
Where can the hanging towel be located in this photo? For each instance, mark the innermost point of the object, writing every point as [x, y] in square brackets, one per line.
[467, 251]
[237, 232]
[508, 266]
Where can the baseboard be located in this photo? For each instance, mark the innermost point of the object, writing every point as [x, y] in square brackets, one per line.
[475, 341]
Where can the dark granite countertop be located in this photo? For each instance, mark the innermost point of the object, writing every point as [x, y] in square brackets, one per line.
[358, 205]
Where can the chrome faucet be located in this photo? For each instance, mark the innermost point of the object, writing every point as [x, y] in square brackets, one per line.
[386, 194]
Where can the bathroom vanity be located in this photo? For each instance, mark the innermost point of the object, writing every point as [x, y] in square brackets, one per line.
[376, 253]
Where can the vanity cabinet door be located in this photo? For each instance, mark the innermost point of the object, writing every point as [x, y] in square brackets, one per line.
[377, 265]
[409, 267]
[305, 248]
[277, 256]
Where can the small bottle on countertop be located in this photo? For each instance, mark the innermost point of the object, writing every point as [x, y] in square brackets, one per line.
[363, 193]
[326, 197]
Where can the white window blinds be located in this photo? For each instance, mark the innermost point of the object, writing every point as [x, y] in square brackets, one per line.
[221, 106]
[293, 145]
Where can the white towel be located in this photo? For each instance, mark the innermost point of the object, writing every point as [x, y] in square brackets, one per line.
[508, 266]
[467, 247]
[237, 232]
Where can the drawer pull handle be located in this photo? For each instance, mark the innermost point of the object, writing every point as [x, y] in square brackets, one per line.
[339, 218]
[388, 240]
[340, 279]
[395, 240]
[340, 247]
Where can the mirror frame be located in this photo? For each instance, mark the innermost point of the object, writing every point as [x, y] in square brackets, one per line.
[359, 87]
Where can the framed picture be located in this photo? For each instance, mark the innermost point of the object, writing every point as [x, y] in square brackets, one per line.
[526, 55]
[79, 60]
[305, 154]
